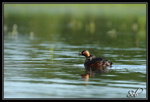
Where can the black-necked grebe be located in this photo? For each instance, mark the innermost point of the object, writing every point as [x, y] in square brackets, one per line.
[94, 63]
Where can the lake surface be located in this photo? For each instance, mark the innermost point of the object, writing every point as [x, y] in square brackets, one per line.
[41, 56]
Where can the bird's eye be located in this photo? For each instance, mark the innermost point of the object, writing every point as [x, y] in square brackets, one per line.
[83, 53]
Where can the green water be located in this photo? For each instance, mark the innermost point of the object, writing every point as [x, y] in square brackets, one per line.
[42, 44]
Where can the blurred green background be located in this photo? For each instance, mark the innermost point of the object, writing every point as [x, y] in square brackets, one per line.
[91, 23]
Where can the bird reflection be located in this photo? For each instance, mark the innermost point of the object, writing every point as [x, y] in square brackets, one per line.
[92, 73]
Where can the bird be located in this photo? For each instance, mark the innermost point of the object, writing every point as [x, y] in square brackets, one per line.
[93, 63]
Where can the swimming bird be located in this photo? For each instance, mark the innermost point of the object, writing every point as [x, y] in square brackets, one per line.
[93, 63]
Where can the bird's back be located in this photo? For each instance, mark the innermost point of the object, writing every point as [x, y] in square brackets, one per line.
[98, 63]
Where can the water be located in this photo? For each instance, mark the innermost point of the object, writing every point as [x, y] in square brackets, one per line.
[44, 62]
[31, 70]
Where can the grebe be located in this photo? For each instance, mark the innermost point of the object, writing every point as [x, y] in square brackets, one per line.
[93, 63]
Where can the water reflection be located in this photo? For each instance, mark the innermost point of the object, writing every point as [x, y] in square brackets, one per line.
[34, 74]
[89, 74]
